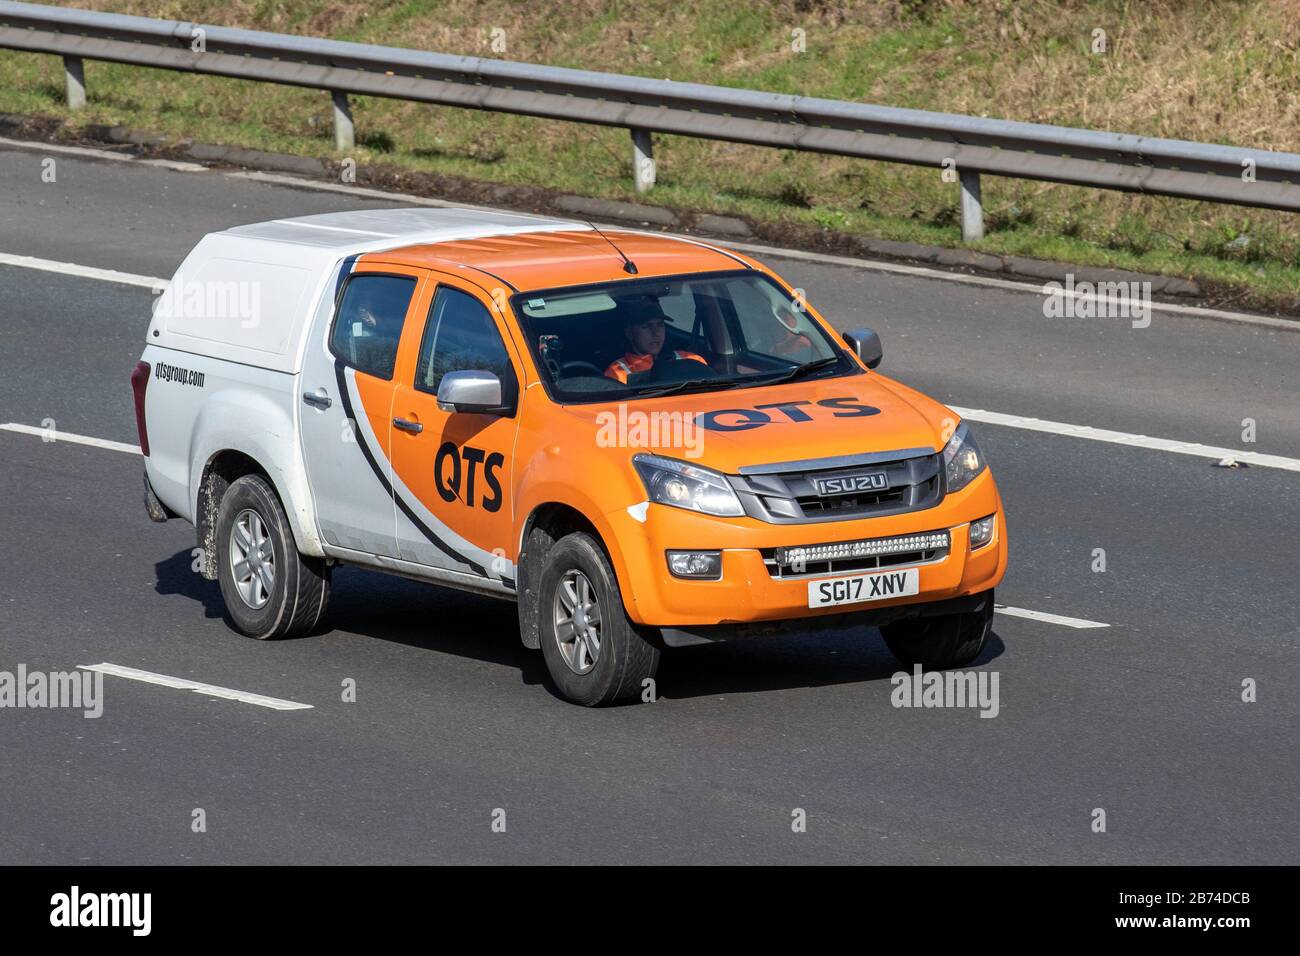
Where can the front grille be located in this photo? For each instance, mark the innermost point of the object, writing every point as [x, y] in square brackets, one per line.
[851, 505]
[886, 553]
[789, 494]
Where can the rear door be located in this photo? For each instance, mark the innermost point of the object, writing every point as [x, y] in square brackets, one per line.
[347, 395]
[452, 469]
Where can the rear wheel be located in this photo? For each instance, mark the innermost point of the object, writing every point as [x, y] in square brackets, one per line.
[951, 640]
[270, 589]
[593, 652]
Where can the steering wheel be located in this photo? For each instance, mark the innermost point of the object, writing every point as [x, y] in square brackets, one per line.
[669, 369]
[579, 367]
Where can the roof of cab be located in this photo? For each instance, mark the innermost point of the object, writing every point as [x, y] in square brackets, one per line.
[527, 252]
[550, 259]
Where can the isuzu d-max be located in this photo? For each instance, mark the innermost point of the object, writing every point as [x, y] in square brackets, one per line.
[644, 441]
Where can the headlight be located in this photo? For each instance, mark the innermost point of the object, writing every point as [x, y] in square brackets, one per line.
[962, 460]
[676, 483]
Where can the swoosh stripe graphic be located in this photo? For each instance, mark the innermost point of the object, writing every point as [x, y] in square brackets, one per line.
[344, 271]
[378, 470]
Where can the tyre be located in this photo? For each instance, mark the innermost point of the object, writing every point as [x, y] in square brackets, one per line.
[951, 640]
[271, 591]
[594, 653]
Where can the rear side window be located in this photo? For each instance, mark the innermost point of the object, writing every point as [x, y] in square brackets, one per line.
[461, 335]
[368, 324]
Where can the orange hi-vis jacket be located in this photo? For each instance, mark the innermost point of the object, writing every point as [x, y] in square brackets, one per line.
[641, 362]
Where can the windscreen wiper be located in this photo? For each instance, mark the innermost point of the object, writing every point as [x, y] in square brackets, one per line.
[707, 384]
[691, 385]
[798, 372]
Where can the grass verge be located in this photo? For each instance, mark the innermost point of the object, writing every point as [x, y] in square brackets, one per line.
[1213, 71]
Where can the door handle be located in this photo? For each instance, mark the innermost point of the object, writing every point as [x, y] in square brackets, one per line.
[318, 399]
[408, 426]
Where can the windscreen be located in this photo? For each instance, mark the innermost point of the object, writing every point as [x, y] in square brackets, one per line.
[655, 336]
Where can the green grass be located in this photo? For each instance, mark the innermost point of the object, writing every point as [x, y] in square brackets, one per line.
[1213, 71]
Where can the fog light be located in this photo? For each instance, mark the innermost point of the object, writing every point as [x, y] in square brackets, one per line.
[701, 565]
[981, 532]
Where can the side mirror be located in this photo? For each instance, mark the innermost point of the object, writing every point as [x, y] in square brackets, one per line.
[471, 391]
[865, 345]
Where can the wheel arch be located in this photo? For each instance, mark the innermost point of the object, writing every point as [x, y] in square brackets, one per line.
[557, 518]
[222, 469]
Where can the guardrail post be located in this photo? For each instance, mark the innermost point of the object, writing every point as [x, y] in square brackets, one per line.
[972, 213]
[75, 81]
[643, 160]
[344, 133]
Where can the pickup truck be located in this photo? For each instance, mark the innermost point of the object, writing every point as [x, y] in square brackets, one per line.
[644, 441]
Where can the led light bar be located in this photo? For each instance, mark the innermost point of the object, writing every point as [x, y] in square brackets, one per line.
[808, 554]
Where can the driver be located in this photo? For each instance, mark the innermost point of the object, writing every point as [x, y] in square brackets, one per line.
[646, 334]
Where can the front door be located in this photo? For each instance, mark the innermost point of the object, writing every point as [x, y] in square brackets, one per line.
[451, 469]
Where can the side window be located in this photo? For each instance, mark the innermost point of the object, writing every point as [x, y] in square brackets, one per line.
[368, 323]
[461, 335]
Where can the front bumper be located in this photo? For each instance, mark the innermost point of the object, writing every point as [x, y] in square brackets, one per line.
[870, 616]
[748, 592]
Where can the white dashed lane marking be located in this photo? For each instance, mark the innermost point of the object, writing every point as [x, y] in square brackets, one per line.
[180, 683]
[83, 272]
[1124, 438]
[53, 436]
[1046, 618]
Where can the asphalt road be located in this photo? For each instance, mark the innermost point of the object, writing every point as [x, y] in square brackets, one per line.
[454, 720]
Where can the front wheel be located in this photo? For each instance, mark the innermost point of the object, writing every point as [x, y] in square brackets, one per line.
[593, 652]
[936, 643]
[269, 588]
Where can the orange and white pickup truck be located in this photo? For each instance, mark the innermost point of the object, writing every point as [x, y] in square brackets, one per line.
[644, 441]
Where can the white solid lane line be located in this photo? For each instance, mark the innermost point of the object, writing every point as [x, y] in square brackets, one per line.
[83, 272]
[91, 153]
[180, 683]
[872, 265]
[1254, 458]
[1046, 618]
[1026, 286]
[54, 436]
[1124, 438]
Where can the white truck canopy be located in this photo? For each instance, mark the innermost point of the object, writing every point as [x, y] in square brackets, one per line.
[247, 294]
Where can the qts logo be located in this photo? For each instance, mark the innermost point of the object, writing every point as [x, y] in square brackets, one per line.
[457, 469]
[743, 419]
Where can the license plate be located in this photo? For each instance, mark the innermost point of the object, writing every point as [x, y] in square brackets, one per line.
[858, 588]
